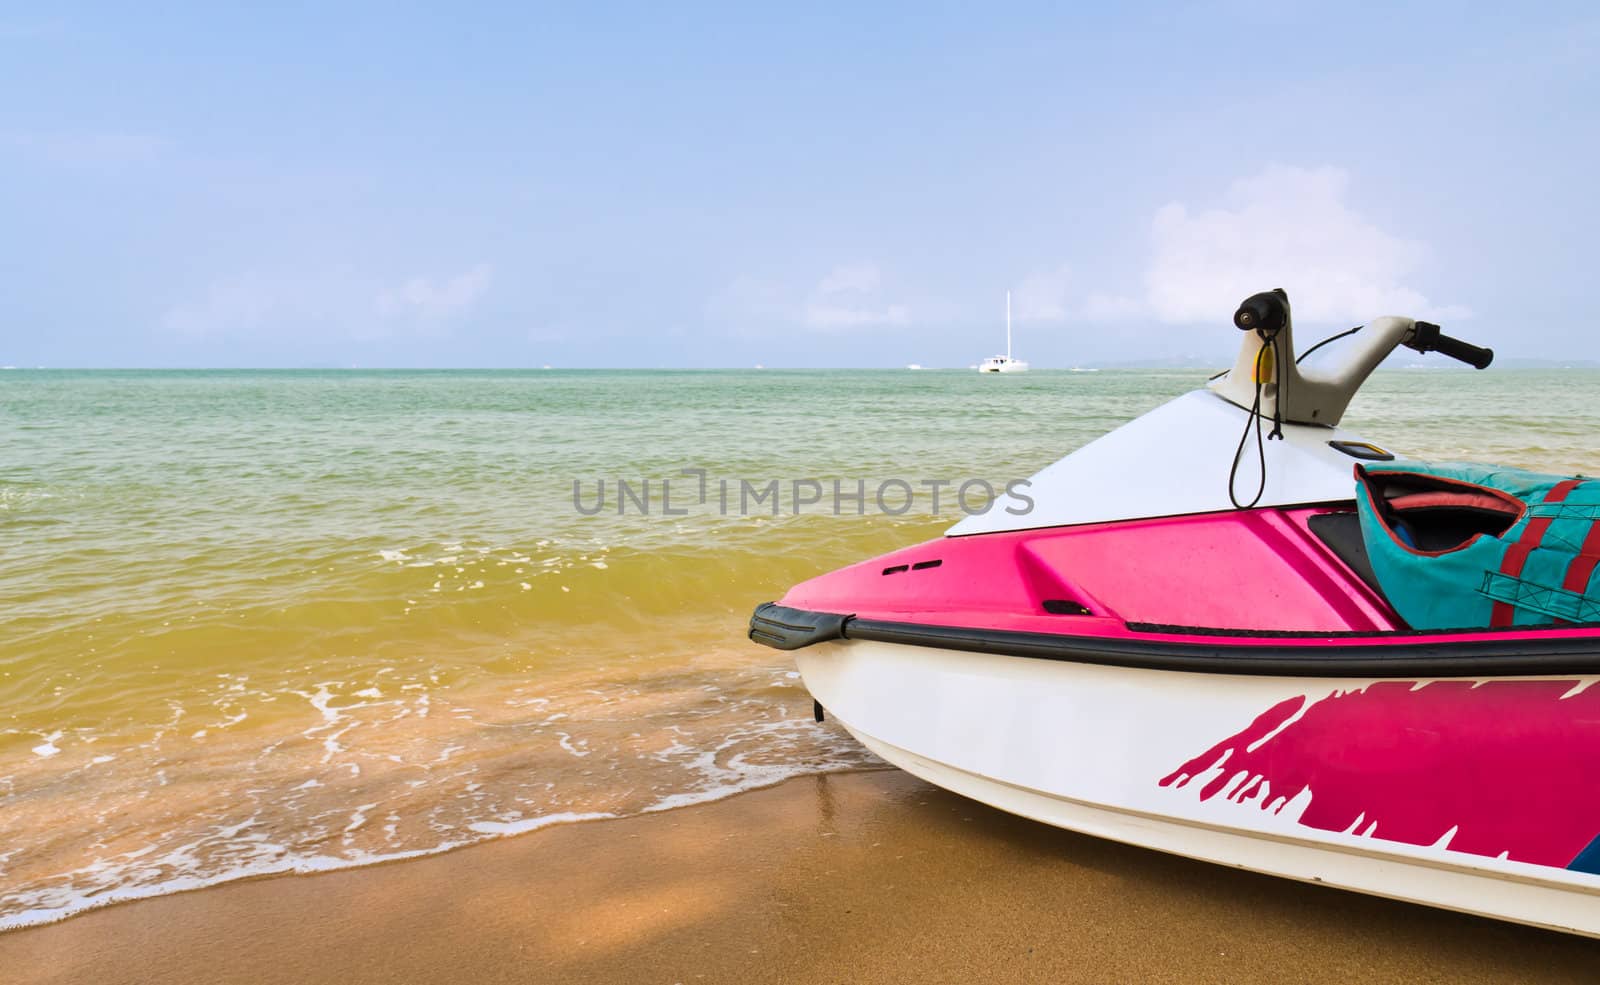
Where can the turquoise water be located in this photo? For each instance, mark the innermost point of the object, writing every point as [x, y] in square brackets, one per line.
[272, 621]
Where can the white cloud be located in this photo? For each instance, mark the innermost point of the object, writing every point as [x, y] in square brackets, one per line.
[848, 298]
[835, 317]
[860, 278]
[433, 299]
[302, 302]
[1112, 307]
[1044, 296]
[1285, 227]
[238, 303]
[748, 302]
[87, 150]
[30, 30]
[1288, 227]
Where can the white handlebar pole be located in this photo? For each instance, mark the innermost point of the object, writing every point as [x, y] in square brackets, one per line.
[1307, 396]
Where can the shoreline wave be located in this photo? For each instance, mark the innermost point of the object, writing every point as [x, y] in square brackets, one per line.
[319, 864]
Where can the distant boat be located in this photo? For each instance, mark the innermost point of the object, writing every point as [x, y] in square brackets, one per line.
[914, 366]
[1005, 363]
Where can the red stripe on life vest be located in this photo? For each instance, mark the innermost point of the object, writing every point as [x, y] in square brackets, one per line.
[1582, 567]
[1517, 555]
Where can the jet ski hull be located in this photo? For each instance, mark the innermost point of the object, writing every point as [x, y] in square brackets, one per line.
[1096, 677]
[1469, 793]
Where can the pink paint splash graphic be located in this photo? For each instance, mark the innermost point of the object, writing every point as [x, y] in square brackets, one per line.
[1512, 765]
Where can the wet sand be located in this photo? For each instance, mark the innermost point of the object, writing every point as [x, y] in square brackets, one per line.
[865, 877]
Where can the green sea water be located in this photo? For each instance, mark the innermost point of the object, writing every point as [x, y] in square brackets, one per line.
[271, 621]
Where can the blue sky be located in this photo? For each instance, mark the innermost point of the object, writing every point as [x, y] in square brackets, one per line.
[804, 185]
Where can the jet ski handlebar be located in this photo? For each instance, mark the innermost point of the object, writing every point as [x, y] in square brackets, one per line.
[1426, 337]
[1268, 380]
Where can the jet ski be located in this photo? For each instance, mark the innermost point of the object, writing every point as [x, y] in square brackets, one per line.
[1232, 630]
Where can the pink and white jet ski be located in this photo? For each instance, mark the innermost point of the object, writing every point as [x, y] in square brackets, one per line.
[1177, 637]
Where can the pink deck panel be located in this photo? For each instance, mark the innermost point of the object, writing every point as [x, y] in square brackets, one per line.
[1248, 570]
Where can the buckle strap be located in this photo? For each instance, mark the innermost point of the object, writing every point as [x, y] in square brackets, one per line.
[1582, 567]
[1517, 554]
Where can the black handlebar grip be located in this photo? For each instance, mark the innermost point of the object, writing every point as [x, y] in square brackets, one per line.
[1265, 313]
[1475, 356]
[1426, 337]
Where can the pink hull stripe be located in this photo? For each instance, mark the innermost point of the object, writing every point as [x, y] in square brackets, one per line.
[1510, 765]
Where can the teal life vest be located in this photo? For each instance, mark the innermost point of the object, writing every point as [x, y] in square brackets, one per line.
[1459, 546]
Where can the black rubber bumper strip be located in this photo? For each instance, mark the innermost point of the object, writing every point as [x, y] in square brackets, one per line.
[787, 628]
[783, 628]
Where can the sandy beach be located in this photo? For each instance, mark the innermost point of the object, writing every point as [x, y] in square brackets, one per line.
[862, 877]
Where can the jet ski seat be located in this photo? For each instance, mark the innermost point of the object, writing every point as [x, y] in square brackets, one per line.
[1442, 519]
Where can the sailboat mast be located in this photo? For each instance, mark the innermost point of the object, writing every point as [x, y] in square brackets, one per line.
[1008, 326]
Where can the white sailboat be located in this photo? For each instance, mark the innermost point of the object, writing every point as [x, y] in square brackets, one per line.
[1005, 363]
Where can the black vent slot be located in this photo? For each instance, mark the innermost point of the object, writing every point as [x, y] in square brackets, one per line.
[1342, 533]
[924, 565]
[1064, 607]
[896, 569]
